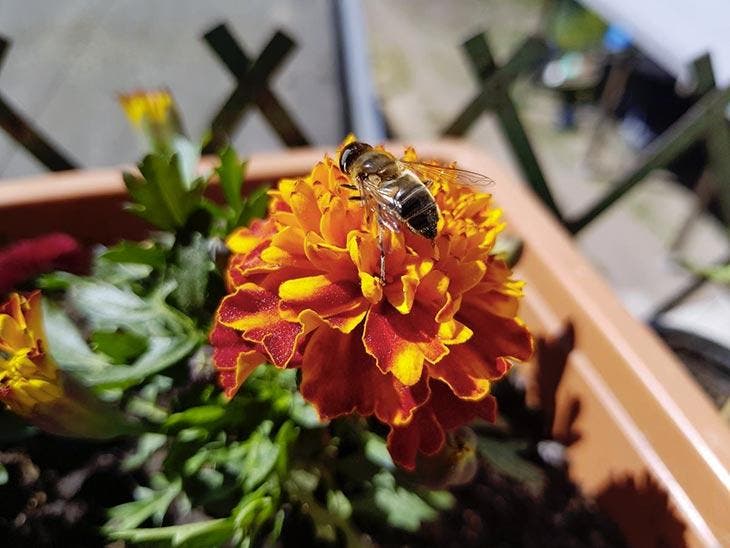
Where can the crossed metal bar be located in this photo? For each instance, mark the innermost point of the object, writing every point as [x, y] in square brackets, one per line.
[252, 88]
[27, 136]
[494, 96]
[706, 119]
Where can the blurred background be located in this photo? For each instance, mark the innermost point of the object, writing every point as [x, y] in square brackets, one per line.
[578, 99]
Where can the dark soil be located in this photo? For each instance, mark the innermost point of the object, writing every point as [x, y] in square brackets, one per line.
[58, 491]
[496, 511]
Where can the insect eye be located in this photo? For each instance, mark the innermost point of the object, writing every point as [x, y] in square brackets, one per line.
[351, 153]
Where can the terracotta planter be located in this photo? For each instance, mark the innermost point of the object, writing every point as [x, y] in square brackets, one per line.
[643, 422]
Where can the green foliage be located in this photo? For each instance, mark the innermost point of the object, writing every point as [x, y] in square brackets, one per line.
[190, 270]
[239, 211]
[163, 194]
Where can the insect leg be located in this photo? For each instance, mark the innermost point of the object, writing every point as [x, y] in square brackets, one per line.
[381, 246]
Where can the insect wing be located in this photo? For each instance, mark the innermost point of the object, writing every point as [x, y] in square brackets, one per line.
[470, 179]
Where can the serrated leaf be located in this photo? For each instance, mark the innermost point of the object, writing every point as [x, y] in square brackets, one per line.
[203, 415]
[260, 461]
[120, 346]
[303, 413]
[161, 353]
[230, 175]
[118, 273]
[255, 206]
[338, 504]
[188, 158]
[109, 308]
[404, 509]
[131, 514]
[190, 274]
[145, 253]
[205, 534]
[147, 445]
[67, 345]
[166, 193]
[505, 456]
[55, 281]
[376, 451]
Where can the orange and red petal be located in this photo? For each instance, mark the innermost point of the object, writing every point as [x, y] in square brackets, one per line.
[508, 337]
[422, 435]
[327, 257]
[442, 413]
[254, 311]
[400, 343]
[467, 373]
[243, 240]
[339, 303]
[234, 358]
[339, 378]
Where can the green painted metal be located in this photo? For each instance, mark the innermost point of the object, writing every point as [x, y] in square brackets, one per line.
[696, 123]
[494, 96]
[252, 88]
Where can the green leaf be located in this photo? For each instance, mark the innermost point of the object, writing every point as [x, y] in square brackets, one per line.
[117, 273]
[204, 534]
[303, 413]
[165, 194]
[338, 504]
[4, 477]
[204, 415]
[260, 460]
[376, 451]
[188, 160]
[505, 456]
[131, 514]
[190, 273]
[55, 281]
[147, 445]
[107, 307]
[255, 206]
[230, 175]
[146, 253]
[403, 509]
[169, 336]
[67, 344]
[162, 352]
[120, 346]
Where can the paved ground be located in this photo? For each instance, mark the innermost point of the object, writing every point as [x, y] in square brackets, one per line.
[68, 60]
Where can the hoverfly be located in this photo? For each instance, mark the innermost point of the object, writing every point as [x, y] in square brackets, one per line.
[397, 191]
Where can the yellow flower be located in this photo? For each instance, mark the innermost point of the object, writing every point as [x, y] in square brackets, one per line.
[27, 374]
[419, 352]
[142, 107]
[153, 113]
[33, 387]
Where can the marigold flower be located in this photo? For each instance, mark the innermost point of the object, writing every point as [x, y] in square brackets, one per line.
[418, 352]
[152, 112]
[33, 387]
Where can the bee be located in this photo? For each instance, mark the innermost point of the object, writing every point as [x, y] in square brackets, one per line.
[397, 192]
